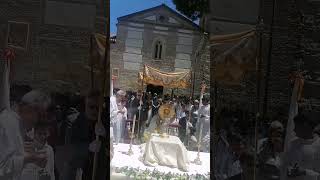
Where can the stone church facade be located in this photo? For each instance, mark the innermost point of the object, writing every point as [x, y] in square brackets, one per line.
[159, 37]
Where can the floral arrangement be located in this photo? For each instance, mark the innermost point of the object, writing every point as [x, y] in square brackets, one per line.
[140, 174]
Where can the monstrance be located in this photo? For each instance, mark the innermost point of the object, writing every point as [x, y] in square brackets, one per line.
[166, 114]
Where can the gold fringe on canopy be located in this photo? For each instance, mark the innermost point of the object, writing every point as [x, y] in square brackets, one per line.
[100, 42]
[229, 38]
[234, 56]
[165, 79]
[98, 45]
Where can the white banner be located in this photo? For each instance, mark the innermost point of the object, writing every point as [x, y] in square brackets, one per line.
[293, 111]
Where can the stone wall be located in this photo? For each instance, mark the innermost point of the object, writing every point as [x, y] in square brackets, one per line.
[282, 61]
[310, 51]
[58, 49]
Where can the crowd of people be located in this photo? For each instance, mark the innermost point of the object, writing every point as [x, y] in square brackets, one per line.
[144, 109]
[51, 137]
[275, 160]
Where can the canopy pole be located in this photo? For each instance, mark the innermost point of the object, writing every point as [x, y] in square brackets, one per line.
[105, 75]
[143, 74]
[258, 81]
[91, 62]
[193, 82]
[266, 88]
[172, 93]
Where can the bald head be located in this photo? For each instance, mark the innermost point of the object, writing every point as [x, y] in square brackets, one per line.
[121, 93]
[33, 108]
[36, 99]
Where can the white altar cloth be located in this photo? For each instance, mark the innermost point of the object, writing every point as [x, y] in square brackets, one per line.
[168, 151]
[120, 159]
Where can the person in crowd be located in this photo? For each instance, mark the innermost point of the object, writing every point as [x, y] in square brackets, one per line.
[119, 127]
[204, 117]
[155, 104]
[133, 104]
[194, 119]
[302, 157]
[149, 109]
[82, 141]
[115, 101]
[316, 132]
[269, 153]
[16, 147]
[178, 108]
[183, 123]
[45, 170]
[142, 111]
[228, 152]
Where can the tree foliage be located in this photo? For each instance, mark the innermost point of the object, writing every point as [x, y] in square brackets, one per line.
[193, 9]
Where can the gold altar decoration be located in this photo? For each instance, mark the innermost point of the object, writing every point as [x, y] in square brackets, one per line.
[166, 115]
[166, 111]
[234, 55]
[169, 80]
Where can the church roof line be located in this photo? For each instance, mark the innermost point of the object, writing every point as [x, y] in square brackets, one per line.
[158, 7]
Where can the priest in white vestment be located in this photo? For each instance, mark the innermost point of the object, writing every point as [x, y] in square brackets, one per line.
[204, 118]
[114, 111]
[14, 152]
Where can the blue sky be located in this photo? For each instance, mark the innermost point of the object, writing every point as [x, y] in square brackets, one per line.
[120, 8]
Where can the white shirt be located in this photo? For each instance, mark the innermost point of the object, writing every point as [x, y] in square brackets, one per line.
[31, 171]
[306, 153]
[205, 112]
[113, 109]
[123, 116]
[11, 146]
[227, 164]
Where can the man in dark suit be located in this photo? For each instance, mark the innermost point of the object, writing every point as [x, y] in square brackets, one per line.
[81, 143]
[133, 104]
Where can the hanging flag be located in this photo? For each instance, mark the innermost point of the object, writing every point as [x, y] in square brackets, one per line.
[234, 56]
[98, 46]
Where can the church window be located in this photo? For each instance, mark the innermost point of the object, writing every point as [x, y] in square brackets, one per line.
[115, 72]
[161, 18]
[158, 50]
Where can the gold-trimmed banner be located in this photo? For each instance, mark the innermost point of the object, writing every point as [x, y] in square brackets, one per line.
[234, 56]
[98, 46]
[156, 77]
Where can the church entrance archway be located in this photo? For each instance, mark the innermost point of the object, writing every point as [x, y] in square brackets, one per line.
[155, 89]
